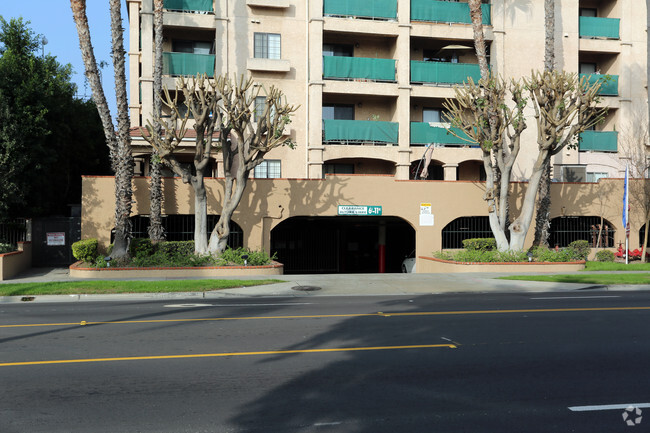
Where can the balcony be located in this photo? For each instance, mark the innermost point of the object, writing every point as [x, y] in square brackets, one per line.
[423, 133]
[609, 83]
[188, 64]
[189, 5]
[360, 132]
[376, 9]
[596, 27]
[599, 141]
[443, 72]
[445, 12]
[358, 68]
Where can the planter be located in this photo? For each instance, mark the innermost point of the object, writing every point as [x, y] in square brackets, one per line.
[433, 265]
[77, 271]
[16, 262]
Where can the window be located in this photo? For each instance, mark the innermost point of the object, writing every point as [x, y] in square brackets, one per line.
[588, 12]
[267, 45]
[570, 173]
[588, 68]
[338, 112]
[193, 47]
[268, 170]
[260, 105]
[338, 168]
[594, 176]
[337, 50]
[434, 115]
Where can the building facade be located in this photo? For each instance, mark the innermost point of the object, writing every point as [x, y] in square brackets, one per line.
[371, 78]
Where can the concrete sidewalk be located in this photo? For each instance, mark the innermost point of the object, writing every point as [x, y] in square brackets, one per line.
[328, 285]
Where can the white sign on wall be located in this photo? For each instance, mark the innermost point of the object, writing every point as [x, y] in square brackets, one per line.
[426, 214]
[55, 239]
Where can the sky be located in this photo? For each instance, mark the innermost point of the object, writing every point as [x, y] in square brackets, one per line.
[53, 19]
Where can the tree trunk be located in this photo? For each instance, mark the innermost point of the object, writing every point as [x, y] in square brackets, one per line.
[119, 144]
[221, 231]
[156, 231]
[519, 227]
[543, 218]
[476, 14]
[200, 216]
[124, 174]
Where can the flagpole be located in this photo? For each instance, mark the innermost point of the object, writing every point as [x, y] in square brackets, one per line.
[626, 213]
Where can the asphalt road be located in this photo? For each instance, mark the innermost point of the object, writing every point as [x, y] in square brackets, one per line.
[549, 362]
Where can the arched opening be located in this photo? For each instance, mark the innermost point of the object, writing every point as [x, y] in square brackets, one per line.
[435, 171]
[567, 229]
[467, 227]
[358, 166]
[342, 244]
[641, 236]
[471, 170]
[181, 228]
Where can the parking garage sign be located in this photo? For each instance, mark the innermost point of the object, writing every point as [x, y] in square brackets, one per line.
[359, 210]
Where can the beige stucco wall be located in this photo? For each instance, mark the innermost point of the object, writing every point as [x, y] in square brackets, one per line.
[11, 264]
[271, 201]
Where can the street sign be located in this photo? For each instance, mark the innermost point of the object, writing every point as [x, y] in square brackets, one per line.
[359, 210]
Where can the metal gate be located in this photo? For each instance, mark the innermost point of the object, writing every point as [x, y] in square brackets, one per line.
[52, 238]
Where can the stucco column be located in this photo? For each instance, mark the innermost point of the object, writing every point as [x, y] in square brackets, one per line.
[147, 53]
[451, 171]
[403, 115]
[134, 63]
[314, 125]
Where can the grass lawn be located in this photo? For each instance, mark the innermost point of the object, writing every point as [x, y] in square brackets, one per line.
[108, 287]
[612, 266]
[605, 279]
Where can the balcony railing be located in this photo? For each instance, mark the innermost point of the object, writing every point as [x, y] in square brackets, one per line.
[376, 9]
[188, 64]
[423, 133]
[359, 68]
[189, 5]
[360, 132]
[596, 27]
[443, 72]
[609, 83]
[599, 141]
[445, 12]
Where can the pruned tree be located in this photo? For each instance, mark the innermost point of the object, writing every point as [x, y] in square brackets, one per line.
[499, 140]
[117, 139]
[156, 230]
[223, 110]
[633, 149]
[543, 217]
[245, 143]
[201, 97]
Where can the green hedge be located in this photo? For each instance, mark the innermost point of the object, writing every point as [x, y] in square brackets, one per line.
[85, 250]
[480, 244]
[6, 248]
[605, 256]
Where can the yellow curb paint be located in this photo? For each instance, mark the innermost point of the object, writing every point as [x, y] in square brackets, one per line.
[218, 355]
[324, 316]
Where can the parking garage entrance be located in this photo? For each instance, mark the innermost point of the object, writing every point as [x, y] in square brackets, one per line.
[342, 244]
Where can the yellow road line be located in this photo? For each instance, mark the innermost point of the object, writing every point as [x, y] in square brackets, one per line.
[321, 316]
[217, 355]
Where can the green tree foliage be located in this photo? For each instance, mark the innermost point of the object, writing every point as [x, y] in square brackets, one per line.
[48, 137]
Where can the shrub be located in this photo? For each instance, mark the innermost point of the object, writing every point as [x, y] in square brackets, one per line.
[605, 256]
[480, 244]
[255, 258]
[85, 250]
[6, 248]
[580, 249]
[141, 246]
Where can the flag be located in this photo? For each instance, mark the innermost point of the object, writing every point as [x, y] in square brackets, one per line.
[626, 202]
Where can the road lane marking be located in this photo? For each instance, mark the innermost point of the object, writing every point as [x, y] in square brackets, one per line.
[234, 305]
[327, 316]
[608, 407]
[577, 297]
[219, 355]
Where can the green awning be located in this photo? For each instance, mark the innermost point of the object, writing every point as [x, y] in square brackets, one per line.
[361, 8]
[423, 133]
[596, 27]
[443, 72]
[188, 64]
[599, 141]
[359, 67]
[360, 130]
[609, 83]
[188, 5]
[445, 12]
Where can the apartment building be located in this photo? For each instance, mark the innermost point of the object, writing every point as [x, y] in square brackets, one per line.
[371, 78]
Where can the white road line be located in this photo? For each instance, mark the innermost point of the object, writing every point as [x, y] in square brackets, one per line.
[235, 305]
[576, 297]
[608, 407]
[323, 424]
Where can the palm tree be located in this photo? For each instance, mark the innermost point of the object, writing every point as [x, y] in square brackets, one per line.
[119, 144]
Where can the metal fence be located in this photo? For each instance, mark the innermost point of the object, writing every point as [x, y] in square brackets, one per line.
[463, 228]
[181, 228]
[15, 230]
[565, 230]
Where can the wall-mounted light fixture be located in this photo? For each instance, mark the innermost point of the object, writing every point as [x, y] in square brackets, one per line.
[359, 104]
